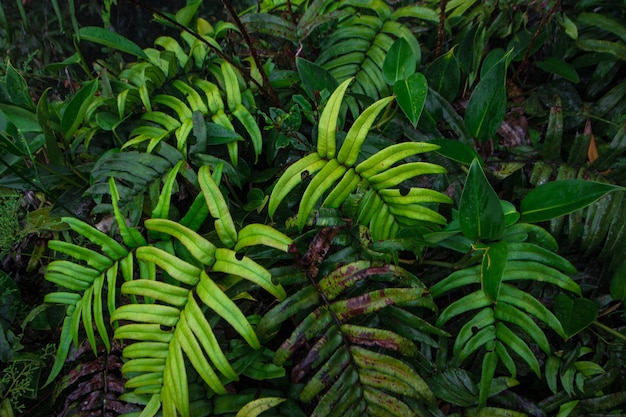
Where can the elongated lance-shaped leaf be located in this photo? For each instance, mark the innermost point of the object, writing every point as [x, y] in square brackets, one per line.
[258, 406]
[175, 383]
[558, 198]
[346, 276]
[511, 314]
[92, 258]
[517, 345]
[247, 120]
[473, 301]
[147, 313]
[351, 147]
[485, 336]
[157, 290]
[261, 234]
[192, 349]
[385, 158]
[227, 262]
[348, 184]
[219, 302]
[292, 176]
[394, 176]
[326, 373]
[374, 301]
[532, 252]
[327, 126]
[231, 86]
[202, 330]
[322, 182]
[192, 96]
[482, 319]
[365, 336]
[109, 245]
[174, 266]
[199, 247]
[131, 236]
[320, 352]
[162, 209]
[217, 207]
[490, 362]
[530, 270]
[526, 302]
[368, 359]
[492, 269]
[303, 300]
[314, 323]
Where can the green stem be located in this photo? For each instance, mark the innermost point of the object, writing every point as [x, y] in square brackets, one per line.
[611, 331]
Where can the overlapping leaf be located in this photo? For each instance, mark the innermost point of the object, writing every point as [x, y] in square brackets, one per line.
[347, 365]
[383, 207]
[502, 311]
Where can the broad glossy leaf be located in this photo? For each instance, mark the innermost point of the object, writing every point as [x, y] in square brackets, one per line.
[487, 104]
[111, 39]
[456, 151]
[480, 211]
[492, 269]
[574, 314]
[315, 78]
[411, 96]
[400, 62]
[444, 75]
[558, 198]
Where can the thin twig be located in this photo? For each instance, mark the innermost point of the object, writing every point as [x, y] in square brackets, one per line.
[542, 24]
[291, 14]
[255, 56]
[440, 30]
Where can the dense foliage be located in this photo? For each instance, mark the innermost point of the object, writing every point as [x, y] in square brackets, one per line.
[313, 208]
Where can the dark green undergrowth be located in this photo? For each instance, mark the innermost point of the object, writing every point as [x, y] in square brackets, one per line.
[313, 208]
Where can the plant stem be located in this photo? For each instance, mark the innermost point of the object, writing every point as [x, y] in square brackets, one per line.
[611, 331]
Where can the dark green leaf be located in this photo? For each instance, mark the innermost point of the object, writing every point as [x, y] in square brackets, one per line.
[603, 22]
[456, 151]
[487, 104]
[480, 212]
[315, 79]
[559, 67]
[618, 283]
[411, 96]
[554, 134]
[43, 117]
[110, 39]
[18, 89]
[574, 314]
[217, 134]
[492, 269]
[75, 110]
[444, 75]
[558, 198]
[400, 62]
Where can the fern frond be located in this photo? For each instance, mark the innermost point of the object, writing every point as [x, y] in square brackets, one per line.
[349, 354]
[503, 316]
[357, 48]
[382, 207]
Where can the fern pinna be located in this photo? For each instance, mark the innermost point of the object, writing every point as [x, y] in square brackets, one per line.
[180, 287]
